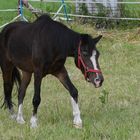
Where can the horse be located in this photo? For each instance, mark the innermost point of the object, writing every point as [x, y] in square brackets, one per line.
[41, 48]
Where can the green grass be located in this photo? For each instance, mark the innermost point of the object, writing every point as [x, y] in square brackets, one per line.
[111, 112]
[117, 118]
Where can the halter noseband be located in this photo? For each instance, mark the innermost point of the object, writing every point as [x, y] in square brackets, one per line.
[86, 68]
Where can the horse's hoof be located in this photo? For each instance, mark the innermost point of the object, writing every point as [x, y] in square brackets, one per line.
[78, 126]
[33, 125]
[20, 120]
[33, 122]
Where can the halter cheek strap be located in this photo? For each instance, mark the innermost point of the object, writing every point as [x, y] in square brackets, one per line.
[86, 68]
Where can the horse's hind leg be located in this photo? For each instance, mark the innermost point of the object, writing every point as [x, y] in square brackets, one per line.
[22, 90]
[64, 79]
[8, 86]
[36, 98]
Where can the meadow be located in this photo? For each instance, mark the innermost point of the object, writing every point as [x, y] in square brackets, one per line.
[111, 112]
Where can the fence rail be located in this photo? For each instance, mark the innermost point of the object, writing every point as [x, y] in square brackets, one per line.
[74, 1]
[93, 14]
[131, 4]
[8, 10]
[97, 17]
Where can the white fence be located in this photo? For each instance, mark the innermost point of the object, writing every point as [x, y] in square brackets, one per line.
[113, 7]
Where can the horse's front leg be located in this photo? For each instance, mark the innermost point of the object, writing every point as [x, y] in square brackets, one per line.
[65, 80]
[36, 98]
[22, 90]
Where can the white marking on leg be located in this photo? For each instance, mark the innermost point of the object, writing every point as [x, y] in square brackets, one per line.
[76, 114]
[33, 121]
[20, 115]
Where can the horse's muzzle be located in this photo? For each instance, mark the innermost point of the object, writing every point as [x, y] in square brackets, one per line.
[97, 81]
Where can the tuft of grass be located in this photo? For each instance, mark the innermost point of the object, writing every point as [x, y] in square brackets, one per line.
[104, 97]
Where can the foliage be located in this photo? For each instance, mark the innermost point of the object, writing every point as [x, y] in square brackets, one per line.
[104, 97]
[124, 11]
[83, 9]
[127, 10]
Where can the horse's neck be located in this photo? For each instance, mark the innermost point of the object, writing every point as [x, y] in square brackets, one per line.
[72, 50]
[73, 46]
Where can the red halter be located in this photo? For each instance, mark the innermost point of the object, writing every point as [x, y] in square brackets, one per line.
[82, 63]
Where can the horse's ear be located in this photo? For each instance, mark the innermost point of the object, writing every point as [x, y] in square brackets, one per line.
[97, 39]
[84, 39]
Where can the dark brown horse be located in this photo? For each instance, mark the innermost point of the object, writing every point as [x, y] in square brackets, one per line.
[41, 48]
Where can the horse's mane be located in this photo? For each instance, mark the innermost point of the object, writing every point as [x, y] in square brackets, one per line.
[47, 19]
[43, 17]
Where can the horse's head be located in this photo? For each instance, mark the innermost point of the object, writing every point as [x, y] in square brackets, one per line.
[87, 59]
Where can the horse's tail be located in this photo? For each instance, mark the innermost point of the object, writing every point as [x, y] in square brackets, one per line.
[0, 39]
[0, 48]
[16, 77]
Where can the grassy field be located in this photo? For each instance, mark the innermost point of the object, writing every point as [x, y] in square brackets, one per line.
[109, 113]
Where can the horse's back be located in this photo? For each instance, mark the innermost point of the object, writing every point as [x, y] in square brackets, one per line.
[9, 29]
[13, 26]
[43, 42]
[13, 42]
[23, 43]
